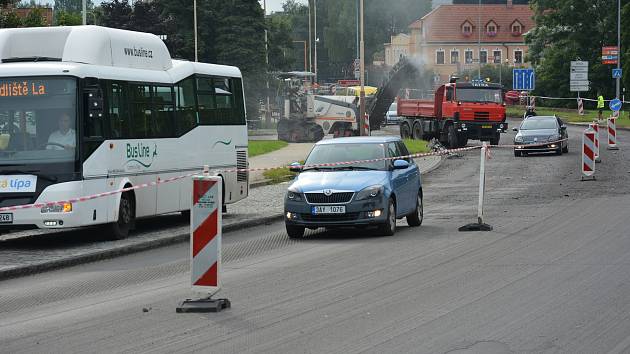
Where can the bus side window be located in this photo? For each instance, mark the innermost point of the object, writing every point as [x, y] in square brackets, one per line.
[117, 108]
[163, 112]
[206, 101]
[141, 111]
[186, 107]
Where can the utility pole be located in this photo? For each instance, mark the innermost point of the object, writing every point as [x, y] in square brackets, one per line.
[267, 112]
[195, 24]
[618, 46]
[84, 12]
[310, 37]
[316, 39]
[362, 68]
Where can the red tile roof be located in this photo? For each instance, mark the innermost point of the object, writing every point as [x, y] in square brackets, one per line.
[443, 24]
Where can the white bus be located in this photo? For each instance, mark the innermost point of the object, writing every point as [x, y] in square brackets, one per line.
[87, 109]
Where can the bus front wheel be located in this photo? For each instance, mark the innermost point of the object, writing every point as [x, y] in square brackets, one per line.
[126, 218]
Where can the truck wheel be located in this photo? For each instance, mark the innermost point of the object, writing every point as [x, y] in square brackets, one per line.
[405, 131]
[495, 139]
[453, 142]
[417, 131]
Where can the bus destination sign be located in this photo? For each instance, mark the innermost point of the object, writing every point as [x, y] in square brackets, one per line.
[24, 88]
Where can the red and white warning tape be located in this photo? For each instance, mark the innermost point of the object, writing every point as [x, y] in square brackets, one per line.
[235, 170]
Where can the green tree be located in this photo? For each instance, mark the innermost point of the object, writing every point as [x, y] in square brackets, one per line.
[280, 44]
[117, 14]
[568, 30]
[35, 18]
[68, 19]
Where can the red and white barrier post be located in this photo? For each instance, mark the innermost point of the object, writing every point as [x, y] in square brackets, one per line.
[205, 244]
[480, 225]
[595, 127]
[588, 154]
[612, 133]
[580, 105]
[366, 124]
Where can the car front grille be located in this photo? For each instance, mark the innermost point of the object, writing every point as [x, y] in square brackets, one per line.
[330, 217]
[321, 198]
[535, 139]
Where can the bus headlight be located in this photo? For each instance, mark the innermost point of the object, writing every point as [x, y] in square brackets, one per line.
[56, 208]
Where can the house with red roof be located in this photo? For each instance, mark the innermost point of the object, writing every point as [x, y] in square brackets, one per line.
[454, 38]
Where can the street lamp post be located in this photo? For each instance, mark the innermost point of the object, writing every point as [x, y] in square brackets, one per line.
[316, 38]
[618, 84]
[310, 36]
[195, 24]
[84, 5]
[479, 40]
[362, 68]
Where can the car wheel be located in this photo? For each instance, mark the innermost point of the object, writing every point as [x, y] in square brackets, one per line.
[559, 151]
[415, 219]
[517, 153]
[295, 231]
[566, 149]
[389, 227]
[126, 218]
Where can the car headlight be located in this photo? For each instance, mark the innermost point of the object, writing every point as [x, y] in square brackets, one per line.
[370, 192]
[294, 194]
[518, 139]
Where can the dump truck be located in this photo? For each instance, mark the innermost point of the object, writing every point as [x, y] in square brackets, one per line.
[458, 112]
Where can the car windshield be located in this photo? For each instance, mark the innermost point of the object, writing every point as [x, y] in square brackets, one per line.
[539, 123]
[332, 153]
[37, 120]
[475, 94]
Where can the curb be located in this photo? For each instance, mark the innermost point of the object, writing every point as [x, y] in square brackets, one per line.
[122, 250]
[151, 244]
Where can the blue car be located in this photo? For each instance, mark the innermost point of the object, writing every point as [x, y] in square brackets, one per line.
[354, 194]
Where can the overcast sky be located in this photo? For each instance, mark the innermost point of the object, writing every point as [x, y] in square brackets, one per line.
[276, 5]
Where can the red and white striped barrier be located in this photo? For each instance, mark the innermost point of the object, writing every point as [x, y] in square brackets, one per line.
[595, 127]
[588, 154]
[366, 124]
[205, 244]
[580, 104]
[612, 134]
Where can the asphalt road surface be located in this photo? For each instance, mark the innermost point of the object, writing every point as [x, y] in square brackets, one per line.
[553, 277]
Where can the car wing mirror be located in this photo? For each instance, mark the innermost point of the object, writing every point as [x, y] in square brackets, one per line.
[401, 165]
[296, 167]
[515, 129]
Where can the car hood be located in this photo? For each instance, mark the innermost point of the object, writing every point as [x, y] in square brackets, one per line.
[316, 181]
[538, 132]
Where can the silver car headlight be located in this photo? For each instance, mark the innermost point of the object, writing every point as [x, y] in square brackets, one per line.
[518, 139]
[370, 192]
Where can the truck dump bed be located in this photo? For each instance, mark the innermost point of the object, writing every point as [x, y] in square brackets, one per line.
[416, 108]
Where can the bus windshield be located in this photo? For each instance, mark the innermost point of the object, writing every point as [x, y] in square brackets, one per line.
[37, 120]
[482, 95]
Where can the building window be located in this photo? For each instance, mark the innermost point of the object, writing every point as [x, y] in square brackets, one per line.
[454, 56]
[518, 56]
[439, 56]
[496, 56]
[468, 56]
[492, 28]
[483, 56]
[467, 29]
[516, 29]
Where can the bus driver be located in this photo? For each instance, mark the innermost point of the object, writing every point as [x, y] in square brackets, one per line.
[65, 137]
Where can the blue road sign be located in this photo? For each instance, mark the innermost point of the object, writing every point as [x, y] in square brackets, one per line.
[523, 79]
[615, 104]
[617, 73]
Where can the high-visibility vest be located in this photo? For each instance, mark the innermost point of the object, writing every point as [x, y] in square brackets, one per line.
[600, 102]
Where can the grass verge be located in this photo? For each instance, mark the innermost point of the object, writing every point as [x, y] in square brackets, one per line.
[259, 147]
[279, 174]
[417, 146]
[569, 115]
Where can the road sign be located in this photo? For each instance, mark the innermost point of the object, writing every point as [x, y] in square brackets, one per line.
[615, 104]
[523, 79]
[617, 73]
[610, 55]
[579, 76]
[579, 83]
[579, 88]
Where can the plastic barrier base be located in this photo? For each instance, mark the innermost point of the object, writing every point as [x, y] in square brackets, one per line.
[203, 305]
[476, 227]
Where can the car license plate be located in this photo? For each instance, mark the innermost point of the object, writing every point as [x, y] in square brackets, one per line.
[486, 126]
[6, 218]
[328, 209]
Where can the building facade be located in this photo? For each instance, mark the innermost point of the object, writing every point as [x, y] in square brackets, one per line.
[456, 38]
[399, 46]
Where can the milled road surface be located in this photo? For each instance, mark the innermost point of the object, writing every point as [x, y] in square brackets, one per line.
[553, 276]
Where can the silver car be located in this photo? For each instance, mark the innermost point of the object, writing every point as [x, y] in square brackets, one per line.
[541, 134]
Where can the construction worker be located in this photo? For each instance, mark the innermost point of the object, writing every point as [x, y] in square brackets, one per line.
[600, 105]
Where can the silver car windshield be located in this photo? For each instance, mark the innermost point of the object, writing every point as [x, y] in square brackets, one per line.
[333, 153]
[538, 123]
